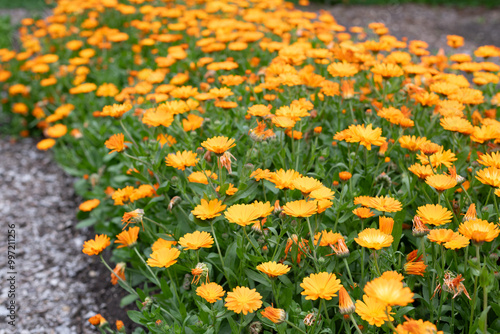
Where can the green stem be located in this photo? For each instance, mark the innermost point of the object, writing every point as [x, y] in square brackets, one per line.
[220, 255]
[147, 266]
[348, 270]
[474, 298]
[311, 232]
[256, 249]
[127, 286]
[326, 310]
[355, 324]
[294, 326]
[174, 285]
[376, 263]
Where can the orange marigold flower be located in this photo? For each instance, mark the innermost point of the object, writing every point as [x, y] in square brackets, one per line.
[118, 272]
[441, 182]
[276, 315]
[211, 292]
[201, 177]
[363, 212]
[414, 264]
[422, 172]
[343, 69]
[162, 243]
[326, 238]
[306, 184]
[373, 311]
[489, 176]
[440, 235]
[89, 205]
[434, 214]
[45, 144]
[300, 208]
[116, 110]
[163, 257]
[344, 176]
[374, 239]
[411, 326]
[116, 143]
[98, 320]
[196, 240]
[322, 285]
[479, 230]
[243, 300]
[389, 291]
[97, 245]
[457, 241]
[208, 210]
[218, 145]
[385, 224]
[346, 306]
[273, 269]
[242, 214]
[387, 70]
[385, 204]
[181, 160]
[260, 174]
[128, 238]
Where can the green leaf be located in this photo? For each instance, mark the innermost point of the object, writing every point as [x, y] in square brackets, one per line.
[135, 316]
[128, 300]
[257, 277]
[86, 222]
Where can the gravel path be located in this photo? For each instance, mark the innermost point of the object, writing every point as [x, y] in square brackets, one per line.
[52, 280]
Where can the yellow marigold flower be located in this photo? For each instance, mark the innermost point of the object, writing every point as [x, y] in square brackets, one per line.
[116, 143]
[300, 208]
[97, 245]
[385, 204]
[242, 214]
[422, 172]
[441, 182]
[276, 315]
[457, 241]
[294, 112]
[181, 160]
[89, 205]
[158, 116]
[208, 210]
[322, 193]
[489, 176]
[283, 122]
[387, 70]
[306, 184]
[243, 300]
[201, 177]
[273, 269]
[363, 212]
[116, 110]
[218, 145]
[373, 311]
[467, 96]
[322, 285]
[328, 238]
[385, 224]
[440, 157]
[366, 136]
[128, 238]
[441, 235]
[343, 69]
[196, 240]
[479, 230]
[45, 144]
[454, 41]
[56, 131]
[120, 196]
[363, 200]
[284, 179]
[434, 214]
[457, 124]
[414, 265]
[389, 291]
[107, 89]
[490, 159]
[231, 190]
[411, 326]
[260, 174]
[162, 243]
[412, 143]
[263, 208]
[211, 292]
[163, 257]
[192, 122]
[374, 239]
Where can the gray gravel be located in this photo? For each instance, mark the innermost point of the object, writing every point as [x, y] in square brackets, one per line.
[53, 274]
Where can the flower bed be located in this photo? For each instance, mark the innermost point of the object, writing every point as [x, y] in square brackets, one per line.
[256, 167]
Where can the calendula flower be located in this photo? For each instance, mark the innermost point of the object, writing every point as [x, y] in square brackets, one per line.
[116, 143]
[471, 213]
[218, 145]
[242, 214]
[343, 69]
[200, 270]
[162, 243]
[479, 230]
[181, 160]
[323, 193]
[344, 176]
[208, 210]
[457, 241]
[363, 212]
[97, 245]
[326, 238]
[421, 171]
[440, 235]
[196, 240]
[306, 184]
[128, 238]
[452, 284]
[411, 326]
[133, 217]
[260, 174]
[243, 300]
[300, 208]
[322, 285]
[263, 208]
[45, 144]
[98, 320]
[341, 249]
[273, 269]
[419, 229]
[385, 204]
[387, 70]
[373, 311]
[346, 306]
[385, 224]
[441, 182]
[489, 176]
[284, 179]
[438, 156]
[89, 205]
[163, 257]
[374, 239]
[434, 214]
[490, 159]
[389, 291]
[211, 292]
[414, 265]
[276, 315]
[118, 272]
[366, 136]
[201, 177]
